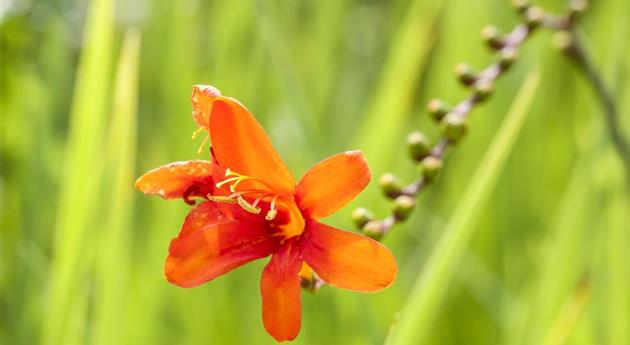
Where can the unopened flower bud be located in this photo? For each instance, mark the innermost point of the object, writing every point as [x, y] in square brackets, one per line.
[437, 109]
[403, 205]
[508, 56]
[563, 40]
[373, 229]
[454, 127]
[483, 89]
[362, 216]
[534, 16]
[520, 5]
[390, 185]
[465, 73]
[430, 167]
[419, 145]
[578, 6]
[492, 36]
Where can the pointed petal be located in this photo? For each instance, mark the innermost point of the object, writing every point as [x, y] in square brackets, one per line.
[202, 98]
[199, 255]
[178, 179]
[347, 260]
[240, 143]
[332, 183]
[280, 290]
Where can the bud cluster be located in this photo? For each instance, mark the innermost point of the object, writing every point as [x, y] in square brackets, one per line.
[453, 120]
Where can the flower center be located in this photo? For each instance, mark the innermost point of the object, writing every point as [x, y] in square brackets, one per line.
[233, 180]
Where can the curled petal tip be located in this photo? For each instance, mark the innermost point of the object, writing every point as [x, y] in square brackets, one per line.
[207, 90]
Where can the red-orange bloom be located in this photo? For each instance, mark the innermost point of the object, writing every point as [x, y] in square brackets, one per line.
[252, 208]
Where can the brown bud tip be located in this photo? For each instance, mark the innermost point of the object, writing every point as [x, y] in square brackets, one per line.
[437, 108]
[373, 229]
[362, 216]
[390, 185]
[430, 167]
[454, 127]
[465, 73]
[403, 205]
[418, 145]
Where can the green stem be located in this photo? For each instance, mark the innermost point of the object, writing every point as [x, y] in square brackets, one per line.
[578, 54]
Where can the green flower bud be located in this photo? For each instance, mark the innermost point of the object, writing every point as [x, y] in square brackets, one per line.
[483, 89]
[373, 229]
[437, 109]
[403, 205]
[390, 185]
[508, 56]
[534, 16]
[492, 37]
[454, 127]
[362, 216]
[465, 73]
[430, 167]
[520, 5]
[563, 40]
[419, 145]
[578, 6]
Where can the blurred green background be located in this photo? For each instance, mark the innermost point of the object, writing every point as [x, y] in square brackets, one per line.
[94, 93]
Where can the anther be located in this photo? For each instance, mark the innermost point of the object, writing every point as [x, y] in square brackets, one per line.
[273, 212]
[247, 206]
[216, 198]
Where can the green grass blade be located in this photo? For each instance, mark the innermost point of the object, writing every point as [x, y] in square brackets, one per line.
[393, 98]
[618, 302]
[568, 315]
[430, 288]
[113, 259]
[81, 175]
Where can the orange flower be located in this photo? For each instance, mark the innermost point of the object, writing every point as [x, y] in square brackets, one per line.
[253, 209]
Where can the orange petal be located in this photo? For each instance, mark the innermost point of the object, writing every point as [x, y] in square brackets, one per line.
[199, 255]
[332, 183]
[347, 260]
[202, 98]
[202, 215]
[240, 143]
[178, 179]
[280, 290]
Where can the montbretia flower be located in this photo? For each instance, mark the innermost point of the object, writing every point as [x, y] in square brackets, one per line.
[252, 208]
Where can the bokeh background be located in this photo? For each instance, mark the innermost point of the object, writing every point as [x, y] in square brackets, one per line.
[96, 92]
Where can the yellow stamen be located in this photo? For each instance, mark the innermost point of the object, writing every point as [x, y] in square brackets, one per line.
[196, 133]
[233, 181]
[203, 143]
[229, 180]
[258, 199]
